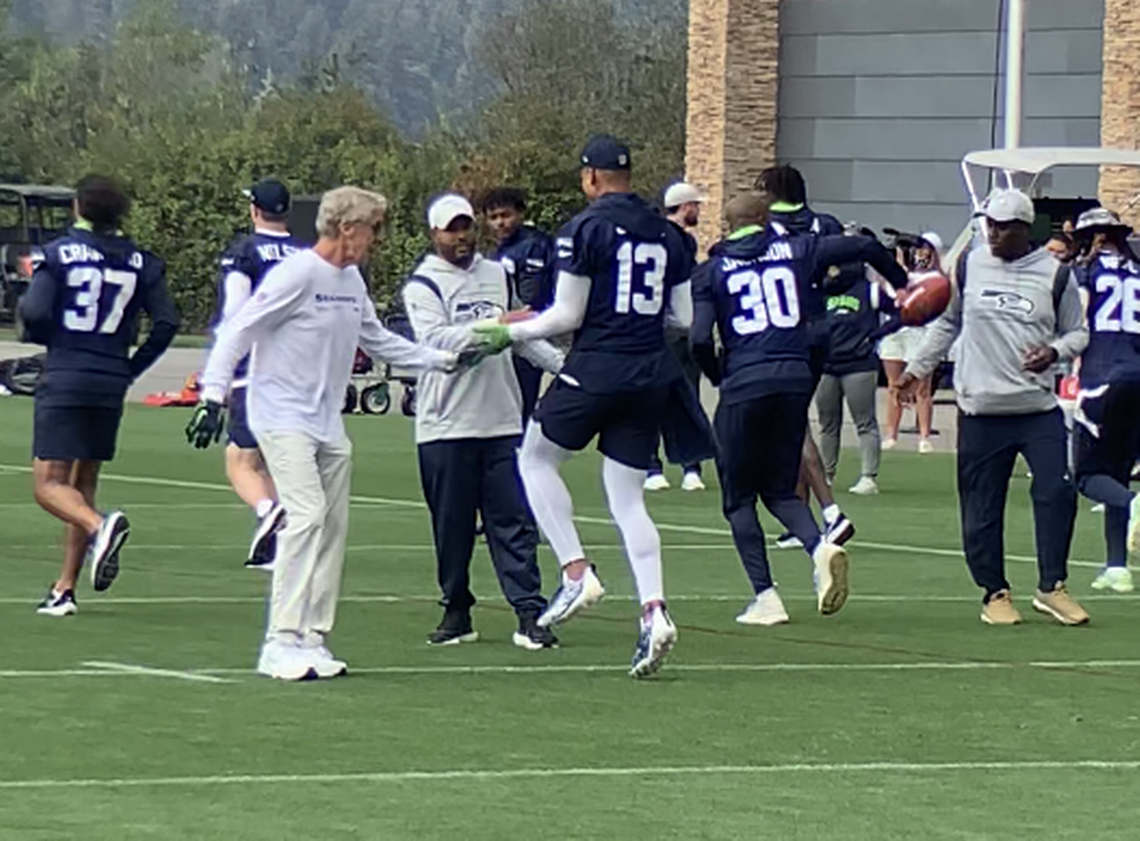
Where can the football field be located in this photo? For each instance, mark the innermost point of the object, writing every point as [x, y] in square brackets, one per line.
[903, 717]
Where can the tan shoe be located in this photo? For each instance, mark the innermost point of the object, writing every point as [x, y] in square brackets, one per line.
[1061, 606]
[999, 610]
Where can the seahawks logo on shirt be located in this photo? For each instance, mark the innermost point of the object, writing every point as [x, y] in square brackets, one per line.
[1011, 301]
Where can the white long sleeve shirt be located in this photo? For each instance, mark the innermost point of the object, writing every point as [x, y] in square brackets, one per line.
[303, 325]
[444, 302]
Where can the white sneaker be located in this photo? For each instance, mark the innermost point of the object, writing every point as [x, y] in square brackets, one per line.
[285, 662]
[766, 609]
[926, 446]
[692, 482]
[866, 486]
[830, 577]
[572, 598]
[657, 638]
[1099, 508]
[657, 482]
[889, 443]
[1134, 525]
[323, 661]
[1117, 579]
[104, 553]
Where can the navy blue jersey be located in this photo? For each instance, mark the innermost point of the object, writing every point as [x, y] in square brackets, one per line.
[252, 255]
[83, 303]
[634, 259]
[853, 317]
[1113, 353]
[758, 290]
[528, 258]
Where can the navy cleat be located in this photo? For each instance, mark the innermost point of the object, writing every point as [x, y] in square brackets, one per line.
[58, 604]
[104, 552]
[263, 548]
[657, 638]
[572, 598]
[530, 636]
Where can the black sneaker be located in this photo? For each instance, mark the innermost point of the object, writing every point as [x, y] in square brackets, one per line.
[263, 548]
[839, 531]
[530, 636]
[58, 604]
[787, 540]
[454, 629]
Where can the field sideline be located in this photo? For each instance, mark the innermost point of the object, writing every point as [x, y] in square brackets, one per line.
[902, 717]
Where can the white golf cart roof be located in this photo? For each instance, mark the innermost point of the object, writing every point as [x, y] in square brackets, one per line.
[1022, 167]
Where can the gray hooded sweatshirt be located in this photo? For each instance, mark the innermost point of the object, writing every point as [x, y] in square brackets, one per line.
[1003, 310]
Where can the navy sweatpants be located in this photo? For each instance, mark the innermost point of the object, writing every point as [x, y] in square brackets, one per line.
[988, 446]
[472, 475]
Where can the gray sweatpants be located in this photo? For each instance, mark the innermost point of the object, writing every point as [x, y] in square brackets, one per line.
[860, 390]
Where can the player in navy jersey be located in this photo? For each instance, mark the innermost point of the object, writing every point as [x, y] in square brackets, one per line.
[1107, 429]
[244, 265]
[527, 254]
[757, 288]
[622, 269]
[785, 190]
[83, 304]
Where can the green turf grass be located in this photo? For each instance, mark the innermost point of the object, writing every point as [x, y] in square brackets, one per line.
[770, 732]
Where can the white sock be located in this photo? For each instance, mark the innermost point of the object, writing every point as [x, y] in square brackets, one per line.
[831, 513]
[539, 460]
[264, 507]
[625, 493]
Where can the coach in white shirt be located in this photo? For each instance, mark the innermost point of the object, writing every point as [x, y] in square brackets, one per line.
[304, 325]
[468, 428]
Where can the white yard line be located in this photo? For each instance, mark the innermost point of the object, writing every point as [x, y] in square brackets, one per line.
[147, 671]
[603, 521]
[98, 668]
[477, 775]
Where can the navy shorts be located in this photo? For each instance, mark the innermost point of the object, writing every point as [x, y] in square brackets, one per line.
[238, 432]
[75, 433]
[760, 447]
[1116, 445]
[626, 423]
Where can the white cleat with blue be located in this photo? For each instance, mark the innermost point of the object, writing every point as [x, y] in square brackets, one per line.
[657, 638]
[572, 598]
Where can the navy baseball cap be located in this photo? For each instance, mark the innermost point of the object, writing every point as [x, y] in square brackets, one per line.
[604, 151]
[269, 195]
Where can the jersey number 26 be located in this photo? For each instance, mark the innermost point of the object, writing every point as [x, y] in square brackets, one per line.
[768, 299]
[88, 283]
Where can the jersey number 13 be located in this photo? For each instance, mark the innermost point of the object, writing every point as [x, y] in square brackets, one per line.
[641, 278]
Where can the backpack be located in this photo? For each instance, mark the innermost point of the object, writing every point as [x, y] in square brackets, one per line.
[19, 376]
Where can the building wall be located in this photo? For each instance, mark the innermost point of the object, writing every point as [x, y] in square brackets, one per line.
[1120, 108]
[880, 99]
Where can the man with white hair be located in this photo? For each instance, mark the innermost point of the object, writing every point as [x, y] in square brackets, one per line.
[1016, 312]
[303, 326]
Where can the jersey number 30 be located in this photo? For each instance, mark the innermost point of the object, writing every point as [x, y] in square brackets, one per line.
[88, 282]
[768, 299]
[646, 263]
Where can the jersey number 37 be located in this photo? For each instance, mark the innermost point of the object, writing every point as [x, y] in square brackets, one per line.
[87, 313]
[767, 299]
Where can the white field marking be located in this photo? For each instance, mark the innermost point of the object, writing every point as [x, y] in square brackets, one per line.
[361, 547]
[741, 598]
[147, 671]
[602, 521]
[477, 774]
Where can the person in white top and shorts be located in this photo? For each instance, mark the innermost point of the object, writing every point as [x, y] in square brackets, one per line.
[900, 348]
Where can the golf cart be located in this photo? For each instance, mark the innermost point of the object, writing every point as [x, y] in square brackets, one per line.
[30, 216]
[1028, 169]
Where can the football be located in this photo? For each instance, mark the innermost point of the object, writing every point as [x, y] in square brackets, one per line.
[924, 300]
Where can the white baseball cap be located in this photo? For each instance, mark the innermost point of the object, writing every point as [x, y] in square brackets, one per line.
[933, 240]
[682, 193]
[446, 209]
[1009, 206]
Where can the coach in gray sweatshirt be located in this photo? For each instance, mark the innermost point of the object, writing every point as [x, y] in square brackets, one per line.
[468, 428]
[1016, 313]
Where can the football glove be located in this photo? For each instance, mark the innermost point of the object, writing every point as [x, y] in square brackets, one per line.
[495, 338]
[206, 424]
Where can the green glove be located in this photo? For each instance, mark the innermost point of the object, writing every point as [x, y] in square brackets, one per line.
[494, 337]
[206, 424]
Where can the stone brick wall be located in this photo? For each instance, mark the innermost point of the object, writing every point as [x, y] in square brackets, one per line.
[1120, 104]
[734, 51]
